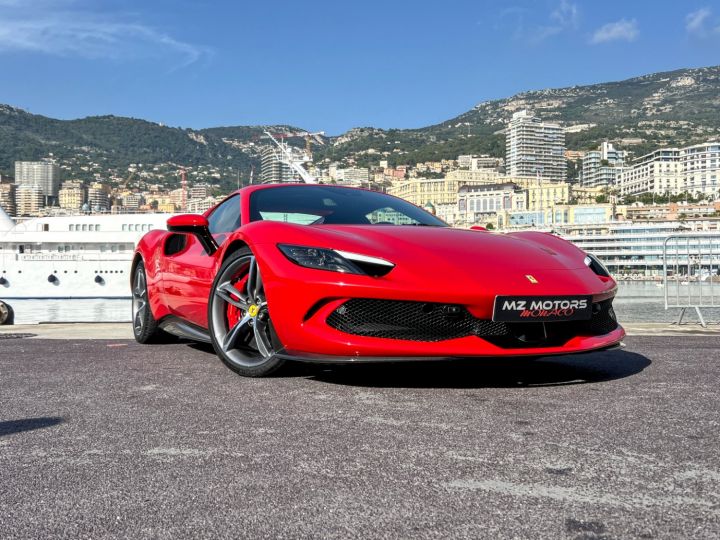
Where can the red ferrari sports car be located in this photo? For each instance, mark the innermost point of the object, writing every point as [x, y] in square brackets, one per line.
[334, 274]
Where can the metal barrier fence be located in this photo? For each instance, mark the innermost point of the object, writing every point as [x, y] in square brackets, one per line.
[691, 273]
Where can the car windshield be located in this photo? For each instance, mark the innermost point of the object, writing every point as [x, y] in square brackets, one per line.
[331, 205]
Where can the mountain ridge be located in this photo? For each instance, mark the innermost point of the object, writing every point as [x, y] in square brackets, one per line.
[641, 113]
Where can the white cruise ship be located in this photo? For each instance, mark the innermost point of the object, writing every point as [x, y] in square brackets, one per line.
[84, 256]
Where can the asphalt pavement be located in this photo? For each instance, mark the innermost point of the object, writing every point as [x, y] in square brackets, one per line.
[110, 439]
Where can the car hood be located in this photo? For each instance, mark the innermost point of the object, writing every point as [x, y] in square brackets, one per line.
[442, 246]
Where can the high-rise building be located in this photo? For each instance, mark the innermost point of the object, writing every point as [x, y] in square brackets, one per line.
[693, 169]
[535, 148]
[603, 166]
[272, 169]
[44, 174]
[72, 195]
[29, 199]
[7, 197]
[98, 197]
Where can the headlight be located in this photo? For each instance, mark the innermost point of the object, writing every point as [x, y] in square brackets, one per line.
[592, 262]
[336, 260]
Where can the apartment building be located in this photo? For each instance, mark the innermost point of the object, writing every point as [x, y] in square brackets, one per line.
[602, 167]
[45, 174]
[535, 148]
[7, 197]
[673, 211]
[98, 199]
[272, 169]
[353, 176]
[72, 195]
[29, 199]
[695, 169]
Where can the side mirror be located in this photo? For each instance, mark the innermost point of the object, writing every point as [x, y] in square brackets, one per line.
[196, 225]
[478, 228]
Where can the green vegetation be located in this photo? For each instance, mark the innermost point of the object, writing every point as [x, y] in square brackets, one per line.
[113, 143]
[640, 115]
[649, 198]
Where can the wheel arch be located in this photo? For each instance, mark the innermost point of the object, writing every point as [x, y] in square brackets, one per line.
[136, 259]
[234, 245]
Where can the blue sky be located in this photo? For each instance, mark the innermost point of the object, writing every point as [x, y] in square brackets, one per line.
[330, 65]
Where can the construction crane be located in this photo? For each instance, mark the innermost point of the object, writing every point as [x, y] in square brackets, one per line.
[284, 153]
[310, 138]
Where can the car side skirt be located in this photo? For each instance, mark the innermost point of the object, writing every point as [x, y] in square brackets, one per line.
[183, 329]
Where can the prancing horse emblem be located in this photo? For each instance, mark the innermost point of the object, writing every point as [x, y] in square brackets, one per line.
[531, 279]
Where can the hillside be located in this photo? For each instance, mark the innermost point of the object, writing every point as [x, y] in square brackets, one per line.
[675, 107]
[639, 114]
[107, 145]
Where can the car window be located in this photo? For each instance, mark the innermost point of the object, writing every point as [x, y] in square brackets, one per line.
[290, 217]
[335, 205]
[226, 217]
[389, 216]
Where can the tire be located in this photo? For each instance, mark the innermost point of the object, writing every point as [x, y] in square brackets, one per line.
[239, 321]
[7, 316]
[145, 327]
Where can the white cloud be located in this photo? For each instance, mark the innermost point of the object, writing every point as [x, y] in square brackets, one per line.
[566, 15]
[622, 30]
[695, 21]
[58, 31]
[702, 24]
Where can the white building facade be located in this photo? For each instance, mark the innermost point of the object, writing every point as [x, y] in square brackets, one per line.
[693, 169]
[480, 204]
[535, 148]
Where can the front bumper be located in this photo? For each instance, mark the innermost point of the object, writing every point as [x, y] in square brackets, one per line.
[301, 300]
[332, 359]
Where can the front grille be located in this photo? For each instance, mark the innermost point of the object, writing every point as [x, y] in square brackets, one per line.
[431, 322]
[414, 321]
[602, 322]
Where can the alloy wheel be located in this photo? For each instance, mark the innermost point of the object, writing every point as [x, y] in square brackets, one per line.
[139, 301]
[240, 320]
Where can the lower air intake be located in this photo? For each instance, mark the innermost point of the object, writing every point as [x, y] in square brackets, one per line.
[430, 322]
[413, 321]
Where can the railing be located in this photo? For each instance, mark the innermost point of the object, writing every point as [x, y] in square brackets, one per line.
[691, 273]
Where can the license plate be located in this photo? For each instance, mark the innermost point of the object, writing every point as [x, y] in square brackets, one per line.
[542, 308]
